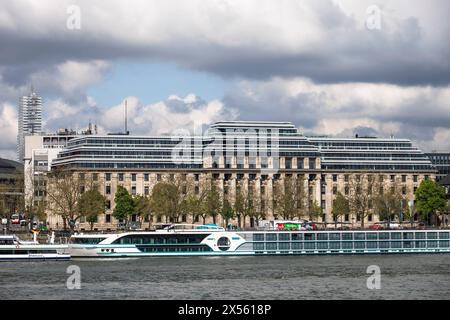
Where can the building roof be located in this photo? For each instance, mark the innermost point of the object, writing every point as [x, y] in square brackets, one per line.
[9, 167]
[445, 181]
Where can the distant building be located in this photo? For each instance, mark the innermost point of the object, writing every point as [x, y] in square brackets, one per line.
[40, 151]
[441, 160]
[29, 120]
[243, 157]
[11, 187]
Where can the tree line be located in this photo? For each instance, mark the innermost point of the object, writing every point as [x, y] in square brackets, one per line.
[72, 198]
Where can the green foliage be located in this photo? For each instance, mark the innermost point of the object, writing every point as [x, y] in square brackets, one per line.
[341, 206]
[125, 205]
[211, 202]
[142, 206]
[430, 198]
[168, 200]
[315, 211]
[227, 212]
[91, 205]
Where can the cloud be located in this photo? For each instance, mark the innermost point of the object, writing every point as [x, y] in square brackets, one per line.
[8, 131]
[415, 112]
[326, 41]
[143, 119]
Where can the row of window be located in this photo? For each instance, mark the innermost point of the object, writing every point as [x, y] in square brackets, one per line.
[346, 236]
[350, 245]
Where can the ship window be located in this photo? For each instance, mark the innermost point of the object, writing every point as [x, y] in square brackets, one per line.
[360, 236]
[271, 246]
[408, 235]
[432, 235]
[284, 245]
[347, 236]
[396, 235]
[310, 236]
[223, 243]
[443, 244]
[420, 235]
[258, 246]
[384, 236]
[258, 237]
[322, 236]
[297, 245]
[443, 235]
[271, 237]
[371, 236]
[284, 236]
[296, 236]
[335, 236]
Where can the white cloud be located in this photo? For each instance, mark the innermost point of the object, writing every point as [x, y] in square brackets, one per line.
[8, 131]
[419, 113]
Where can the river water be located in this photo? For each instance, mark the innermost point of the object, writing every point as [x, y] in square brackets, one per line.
[271, 277]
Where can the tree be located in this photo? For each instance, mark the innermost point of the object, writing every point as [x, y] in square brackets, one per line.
[389, 204]
[125, 205]
[211, 202]
[169, 200]
[360, 198]
[285, 196]
[430, 199]
[226, 212]
[142, 205]
[340, 207]
[91, 205]
[192, 206]
[314, 211]
[238, 207]
[63, 192]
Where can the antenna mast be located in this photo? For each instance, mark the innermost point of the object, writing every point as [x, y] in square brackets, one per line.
[126, 128]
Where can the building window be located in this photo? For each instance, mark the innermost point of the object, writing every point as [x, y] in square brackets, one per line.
[108, 218]
[146, 177]
[403, 178]
[346, 178]
[196, 177]
[288, 163]
[347, 217]
[95, 176]
[146, 190]
[133, 177]
[108, 176]
[392, 178]
[415, 177]
[404, 190]
[108, 204]
[312, 163]
[299, 163]
[334, 177]
[108, 190]
[370, 218]
[120, 176]
[334, 189]
[133, 190]
[158, 177]
[346, 190]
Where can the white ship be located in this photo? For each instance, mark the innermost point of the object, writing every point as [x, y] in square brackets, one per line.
[12, 248]
[210, 240]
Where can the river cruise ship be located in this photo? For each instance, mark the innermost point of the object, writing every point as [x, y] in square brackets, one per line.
[206, 240]
[12, 248]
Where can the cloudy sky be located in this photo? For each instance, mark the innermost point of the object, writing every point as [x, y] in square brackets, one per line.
[332, 67]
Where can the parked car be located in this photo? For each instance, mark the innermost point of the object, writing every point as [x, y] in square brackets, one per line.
[376, 226]
[15, 219]
[421, 225]
[394, 225]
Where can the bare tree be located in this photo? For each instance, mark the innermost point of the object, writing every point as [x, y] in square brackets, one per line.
[63, 192]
